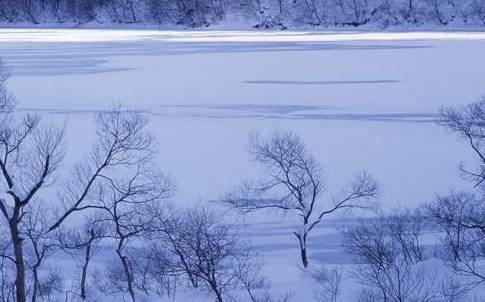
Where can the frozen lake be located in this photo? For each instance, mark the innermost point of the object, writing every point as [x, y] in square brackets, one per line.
[360, 100]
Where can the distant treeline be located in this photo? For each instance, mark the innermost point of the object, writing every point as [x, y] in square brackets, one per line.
[257, 13]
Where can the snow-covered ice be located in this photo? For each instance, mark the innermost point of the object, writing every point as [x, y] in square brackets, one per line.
[360, 101]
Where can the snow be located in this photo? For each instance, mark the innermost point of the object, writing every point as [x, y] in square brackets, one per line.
[359, 104]
[61, 35]
[360, 101]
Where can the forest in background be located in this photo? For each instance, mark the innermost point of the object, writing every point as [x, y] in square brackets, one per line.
[277, 14]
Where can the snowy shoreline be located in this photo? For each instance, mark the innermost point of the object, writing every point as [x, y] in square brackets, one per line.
[16, 35]
[238, 26]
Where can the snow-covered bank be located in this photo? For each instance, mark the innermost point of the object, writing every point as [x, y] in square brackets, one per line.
[35, 35]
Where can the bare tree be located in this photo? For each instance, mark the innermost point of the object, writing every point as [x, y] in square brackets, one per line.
[257, 287]
[123, 143]
[156, 270]
[211, 256]
[411, 14]
[393, 266]
[7, 268]
[42, 246]
[31, 153]
[212, 252]
[461, 216]
[51, 284]
[330, 283]
[84, 241]
[29, 157]
[171, 249]
[468, 123]
[28, 7]
[6, 99]
[295, 184]
[7, 262]
[127, 203]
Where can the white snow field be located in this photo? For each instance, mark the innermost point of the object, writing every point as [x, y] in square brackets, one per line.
[359, 100]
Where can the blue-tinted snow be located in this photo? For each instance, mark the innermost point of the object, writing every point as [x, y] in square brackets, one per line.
[360, 101]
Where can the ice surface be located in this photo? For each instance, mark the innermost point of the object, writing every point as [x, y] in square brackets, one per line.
[360, 101]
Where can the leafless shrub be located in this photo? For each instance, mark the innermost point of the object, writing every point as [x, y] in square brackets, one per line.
[393, 264]
[461, 216]
[252, 281]
[51, 285]
[82, 243]
[6, 99]
[126, 204]
[199, 249]
[330, 283]
[155, 271]
[215, 256]
[453, 290]
[295, 184]
[7, 270]
[42, 246]
[468, 123]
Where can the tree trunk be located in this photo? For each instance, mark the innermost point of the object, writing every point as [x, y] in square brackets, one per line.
[132, 11]
[304, 258]
[216, 292]
[19, 258]
[28, 11]
[129, 277]
[219, 296]
[301, 236]
[303, 253]
[85, 271]
[35, 286]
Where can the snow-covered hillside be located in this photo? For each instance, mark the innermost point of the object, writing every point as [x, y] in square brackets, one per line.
[277, 14]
